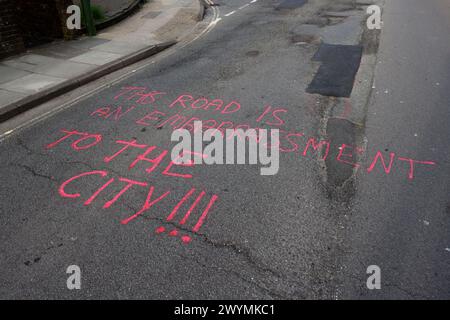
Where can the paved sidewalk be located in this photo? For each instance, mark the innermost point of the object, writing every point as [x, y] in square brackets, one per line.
[47, 71]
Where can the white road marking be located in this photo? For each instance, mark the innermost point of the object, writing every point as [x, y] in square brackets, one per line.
[230, 13]
[240, 8]
[215, 21]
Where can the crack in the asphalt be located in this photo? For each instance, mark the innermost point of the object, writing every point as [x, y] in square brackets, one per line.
[252, 282]
[31, 170]
[385, 284]
[224, 244]
[261, 288]
[22, 144]
[245, 252]
[411, 294]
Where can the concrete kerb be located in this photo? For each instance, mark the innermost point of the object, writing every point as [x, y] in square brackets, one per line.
[33, 100]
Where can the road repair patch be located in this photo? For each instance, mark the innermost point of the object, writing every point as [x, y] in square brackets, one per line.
[336, 75]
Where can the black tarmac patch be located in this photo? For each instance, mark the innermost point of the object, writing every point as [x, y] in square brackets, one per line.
[336, 75]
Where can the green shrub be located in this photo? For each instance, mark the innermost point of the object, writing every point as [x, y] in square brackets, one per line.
[97, 13]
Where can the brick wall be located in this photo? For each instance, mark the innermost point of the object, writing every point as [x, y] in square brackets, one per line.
[11, 41]
[27, 23]
[39, 21]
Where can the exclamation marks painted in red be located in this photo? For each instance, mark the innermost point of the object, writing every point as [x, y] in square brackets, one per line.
[200, 221]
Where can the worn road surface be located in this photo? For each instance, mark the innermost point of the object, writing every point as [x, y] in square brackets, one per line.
[225, 231]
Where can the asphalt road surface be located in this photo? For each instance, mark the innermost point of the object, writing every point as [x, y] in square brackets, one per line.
[308, 232]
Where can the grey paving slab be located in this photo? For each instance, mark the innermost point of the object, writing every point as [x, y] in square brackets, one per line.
[7, 97]
[97, 57]
[87, 43]
[8, 74]
[29, 62]
[151, 15]
[66, 69]
[31, 84]
[120, 47]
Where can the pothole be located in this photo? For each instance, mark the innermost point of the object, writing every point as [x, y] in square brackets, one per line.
[340, 175]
